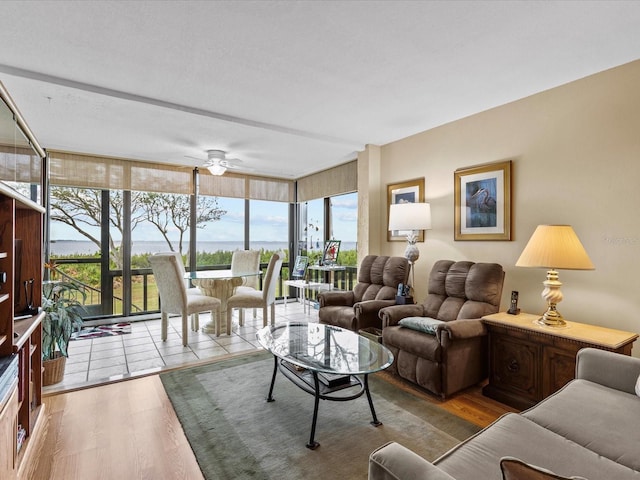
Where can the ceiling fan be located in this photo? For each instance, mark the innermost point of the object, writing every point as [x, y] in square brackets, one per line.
[217, 162]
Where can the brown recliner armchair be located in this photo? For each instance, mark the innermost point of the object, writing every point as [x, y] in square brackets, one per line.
[453, 355]
[378, 279]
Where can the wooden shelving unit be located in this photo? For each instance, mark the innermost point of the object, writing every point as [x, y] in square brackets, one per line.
[21, 260]
[21, 219]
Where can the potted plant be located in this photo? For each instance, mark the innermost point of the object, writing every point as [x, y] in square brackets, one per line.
[63, 312]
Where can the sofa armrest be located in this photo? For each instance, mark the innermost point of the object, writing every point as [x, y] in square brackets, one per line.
[463, 328]
[342, 299]
[392, 315]
[367, 312]
[395, 462]
[613, 370]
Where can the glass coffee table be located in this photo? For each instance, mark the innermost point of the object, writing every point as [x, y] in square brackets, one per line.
[328, 362]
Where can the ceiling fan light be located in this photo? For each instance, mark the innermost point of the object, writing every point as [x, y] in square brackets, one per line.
[217, 169]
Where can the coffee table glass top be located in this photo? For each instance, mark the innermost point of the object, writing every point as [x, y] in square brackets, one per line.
[324, 348]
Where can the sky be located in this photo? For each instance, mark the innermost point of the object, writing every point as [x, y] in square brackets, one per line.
[269, 222]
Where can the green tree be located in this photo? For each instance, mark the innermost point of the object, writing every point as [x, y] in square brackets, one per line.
[81, 209]
[166, 211]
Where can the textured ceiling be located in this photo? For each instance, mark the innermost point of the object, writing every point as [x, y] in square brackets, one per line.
[288, 87]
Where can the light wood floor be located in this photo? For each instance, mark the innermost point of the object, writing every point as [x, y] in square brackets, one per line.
[125, 430]
[129, 430]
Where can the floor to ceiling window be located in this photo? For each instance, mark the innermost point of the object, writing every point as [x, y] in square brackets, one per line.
[220, 234]
[269, 228]
[311, 229]
[344, 225]
[108, 215]
[76, 241]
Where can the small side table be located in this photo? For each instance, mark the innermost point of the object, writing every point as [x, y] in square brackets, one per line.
[303, 286]
[528, 362]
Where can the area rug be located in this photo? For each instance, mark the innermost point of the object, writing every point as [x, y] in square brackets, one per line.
[236, 434]
[101, 331]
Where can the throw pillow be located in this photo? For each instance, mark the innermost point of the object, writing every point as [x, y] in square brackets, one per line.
[638, 386]
[515, 469]
[421, 324]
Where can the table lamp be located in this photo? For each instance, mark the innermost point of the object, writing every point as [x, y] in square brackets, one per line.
[410, 218]
[554, 246]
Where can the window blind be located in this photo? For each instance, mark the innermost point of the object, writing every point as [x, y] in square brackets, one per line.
[89, 171]
[333, 181]
[19, 164]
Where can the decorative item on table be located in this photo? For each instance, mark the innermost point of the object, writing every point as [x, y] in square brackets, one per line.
[403, 295]
[411, 219]
[331, 250]
[300, 267]
[29, 310]
[482, 198]
[551, 247]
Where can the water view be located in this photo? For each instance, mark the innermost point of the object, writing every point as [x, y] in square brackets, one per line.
[69, 248]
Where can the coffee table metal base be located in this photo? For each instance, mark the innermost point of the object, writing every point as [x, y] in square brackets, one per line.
[308, 381]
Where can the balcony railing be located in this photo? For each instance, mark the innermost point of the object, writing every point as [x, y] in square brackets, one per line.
[144, 294]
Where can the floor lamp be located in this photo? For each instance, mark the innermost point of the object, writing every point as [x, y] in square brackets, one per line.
[409, 218]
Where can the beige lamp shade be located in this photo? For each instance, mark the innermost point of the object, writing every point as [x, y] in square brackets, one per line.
[552, 247]
[410, 216]
[555, 247]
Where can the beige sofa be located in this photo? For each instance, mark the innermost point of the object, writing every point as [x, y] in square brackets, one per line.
[588, 429]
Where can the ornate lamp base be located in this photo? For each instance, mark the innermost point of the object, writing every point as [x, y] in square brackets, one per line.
[552, 317]
[412, 254]
[553, 296]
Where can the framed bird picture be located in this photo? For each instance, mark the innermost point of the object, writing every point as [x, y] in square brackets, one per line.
[483, 202]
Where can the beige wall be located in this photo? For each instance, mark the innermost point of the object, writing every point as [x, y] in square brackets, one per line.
[576, 160]
[368, 201]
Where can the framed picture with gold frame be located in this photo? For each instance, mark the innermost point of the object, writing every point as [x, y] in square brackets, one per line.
[483, 202]
[411, 191]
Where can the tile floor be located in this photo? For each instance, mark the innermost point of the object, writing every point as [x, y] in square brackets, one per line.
[100, 360]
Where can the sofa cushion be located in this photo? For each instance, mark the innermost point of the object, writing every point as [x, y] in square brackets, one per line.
[463, 290]
[595, 417]
[421, 324]
[515, 469]
[422, 345]
[513, 435]
[339, 316]
[638, 386]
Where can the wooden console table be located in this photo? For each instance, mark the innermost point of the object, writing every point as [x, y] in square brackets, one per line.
[528, 361]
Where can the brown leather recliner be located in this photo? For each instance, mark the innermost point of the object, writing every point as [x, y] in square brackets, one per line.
[455, 355]
[378, 279]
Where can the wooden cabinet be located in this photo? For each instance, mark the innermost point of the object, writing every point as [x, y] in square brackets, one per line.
[8, 429]
[528, 362]
[21, 219]
[21, 266]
